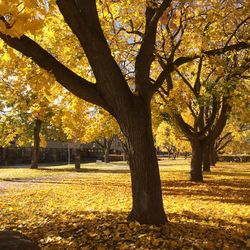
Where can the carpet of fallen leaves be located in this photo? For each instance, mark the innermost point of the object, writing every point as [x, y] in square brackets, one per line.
[63, 209]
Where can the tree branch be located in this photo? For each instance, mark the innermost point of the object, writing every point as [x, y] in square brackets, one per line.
[82, 18]
[224, 145]
[211, 119]
[221, 122]
[239, 46]
[192, 110]
[70, 80]
[237, 28]
[169, 67]
[186, 128]
[197, 84]
[186, 82]
[146, 53]
[227, 136]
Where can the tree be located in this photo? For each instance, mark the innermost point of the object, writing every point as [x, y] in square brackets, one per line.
[98, 27]
[86, 123]
[27, 105]
[207, 98]
[235, 136]
[168, 138]
[207, 104]
[102, 129]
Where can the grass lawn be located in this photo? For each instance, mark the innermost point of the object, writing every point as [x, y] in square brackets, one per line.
[63, 209]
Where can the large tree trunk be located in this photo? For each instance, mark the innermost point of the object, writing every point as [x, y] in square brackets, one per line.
[196, 162]
[147, 207]
[206, 158]
[36, 147]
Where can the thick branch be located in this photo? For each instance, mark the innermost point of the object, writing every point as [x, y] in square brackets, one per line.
[211, 119]
[197, 84]
[71, 81]
[220, 139]
[82, 18]
[229, 139]
[145, 55]
[221, 122]
[186, 128]
[192, 110]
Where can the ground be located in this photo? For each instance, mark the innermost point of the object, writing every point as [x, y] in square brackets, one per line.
[63, 209]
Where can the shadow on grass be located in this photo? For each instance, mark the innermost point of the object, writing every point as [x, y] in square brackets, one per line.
[87, 170]
[234, 173]
[91, 230]
[173, 163]
[230, 190]
[58, 180]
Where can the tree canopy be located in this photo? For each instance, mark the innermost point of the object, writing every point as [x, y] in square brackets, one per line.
[117, 55]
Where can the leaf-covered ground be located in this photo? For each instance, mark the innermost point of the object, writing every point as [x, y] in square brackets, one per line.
[63, 209]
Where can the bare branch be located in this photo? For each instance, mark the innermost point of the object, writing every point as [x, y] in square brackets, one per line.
[235, 31]
[197, 84]
[186, 82]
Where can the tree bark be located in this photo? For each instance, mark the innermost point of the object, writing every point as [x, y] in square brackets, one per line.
[3, 159]
[147, 207]
[77, 159]
[206, 158]
[125, 151]
[196, 162]
[36, 147]
[106, 149]
[213, 154]
[106, 155]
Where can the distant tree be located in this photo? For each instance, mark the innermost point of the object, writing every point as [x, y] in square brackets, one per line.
[170, 139]
[27, 107]
[86, 123]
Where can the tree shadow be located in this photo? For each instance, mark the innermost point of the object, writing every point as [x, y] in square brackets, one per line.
[244, 173]
[235, 191]
[87, 170]
[110, 230]
[57, 181]
[174, 164]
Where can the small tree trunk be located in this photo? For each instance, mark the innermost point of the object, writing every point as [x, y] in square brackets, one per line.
[4, 160]
[77, 159]
[213, 154]
[169, 154]
[125, 151]
[206, 159]
[36, 147]
[107, 146]
[196, 162]
[147, 207]
[106, 155]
